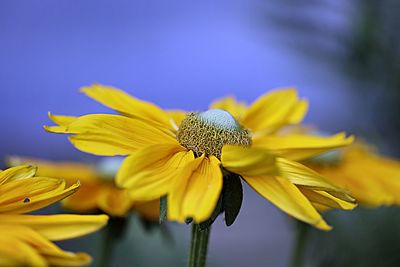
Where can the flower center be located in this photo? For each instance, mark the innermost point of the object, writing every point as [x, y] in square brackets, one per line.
[207, 132]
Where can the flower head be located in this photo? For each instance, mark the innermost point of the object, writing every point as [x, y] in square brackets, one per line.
[25, 240]
[183, 155]
[373, 179]
[97, 190]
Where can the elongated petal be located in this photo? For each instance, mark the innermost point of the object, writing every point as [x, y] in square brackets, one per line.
[110, 135]
[286, 196]
[127, 104]
[196, 190]
[57, 227]
[298, 147]
[230, 104]
[274, 110]
[61, 119]
[326, 199]
[67, 170]
[301, 175]
[248, 161]
[30, 194]
[15, 252]
[18, 172]
[86, 199]
[203, 190]
[148, 172]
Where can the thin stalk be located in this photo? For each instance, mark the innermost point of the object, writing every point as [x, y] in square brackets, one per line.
[113, 233]
[198, 246]
[300, 244]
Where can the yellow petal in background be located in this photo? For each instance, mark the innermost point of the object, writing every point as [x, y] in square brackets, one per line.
[110, 135]
[30, 194]
[230, 104]
[147, 173]
[248, 161]
[177, 116]
[286, 196]
[301, 175]
[67, 170]
[298, 147]
[126, 104]
[274, 110]
[57, 227]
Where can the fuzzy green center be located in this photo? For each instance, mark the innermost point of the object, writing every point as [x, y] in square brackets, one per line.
[207, 132]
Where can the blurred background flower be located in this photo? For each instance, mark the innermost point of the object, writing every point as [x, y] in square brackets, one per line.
[343, 56]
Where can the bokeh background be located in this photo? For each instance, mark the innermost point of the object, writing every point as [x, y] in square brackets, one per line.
[344, 56]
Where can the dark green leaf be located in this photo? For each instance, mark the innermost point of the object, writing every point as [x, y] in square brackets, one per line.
[232, 197]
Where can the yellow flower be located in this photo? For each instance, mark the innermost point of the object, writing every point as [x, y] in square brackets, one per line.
[25, 240]
[180, 155]
[373, 179]
[97, 190]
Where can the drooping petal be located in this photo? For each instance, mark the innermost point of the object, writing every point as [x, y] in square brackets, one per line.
[67, 170]
[326, 199]
[149, 210]
[147, 173]
[230, 104]
[274, 110]
[286, 196]
[110, 135]
[196, 190]
[57, 227]
[126, 104]
[298, 147]
[17, 172]
[86, 199]
[15, 252]
[248, 161]
[61, 119]
[301, 175]
[114, 201]
[30, 194]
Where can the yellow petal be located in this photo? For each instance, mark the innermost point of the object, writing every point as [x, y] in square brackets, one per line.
[150, 210]
[51, 254]
[274, 110]
[301, 175]
[86, 199]
[18, 172]
[326, 199]
[30, 194]
[127, 104]
[61, 119]
[298, 147]
[230, 104]
[199, 192]
[67, 170]
[114, 201]
[195, 190]
[110, 135]
[57, 227]
[14, 252]
[286, 196]
[248, 161]
[148, 172]
[177, 116]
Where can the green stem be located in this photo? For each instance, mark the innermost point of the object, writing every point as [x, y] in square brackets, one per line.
[300, 244]
[198, 246]
[113, 233]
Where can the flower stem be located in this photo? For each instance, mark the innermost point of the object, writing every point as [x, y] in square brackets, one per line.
[198, 246]
[113, 234]
[300, 244]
